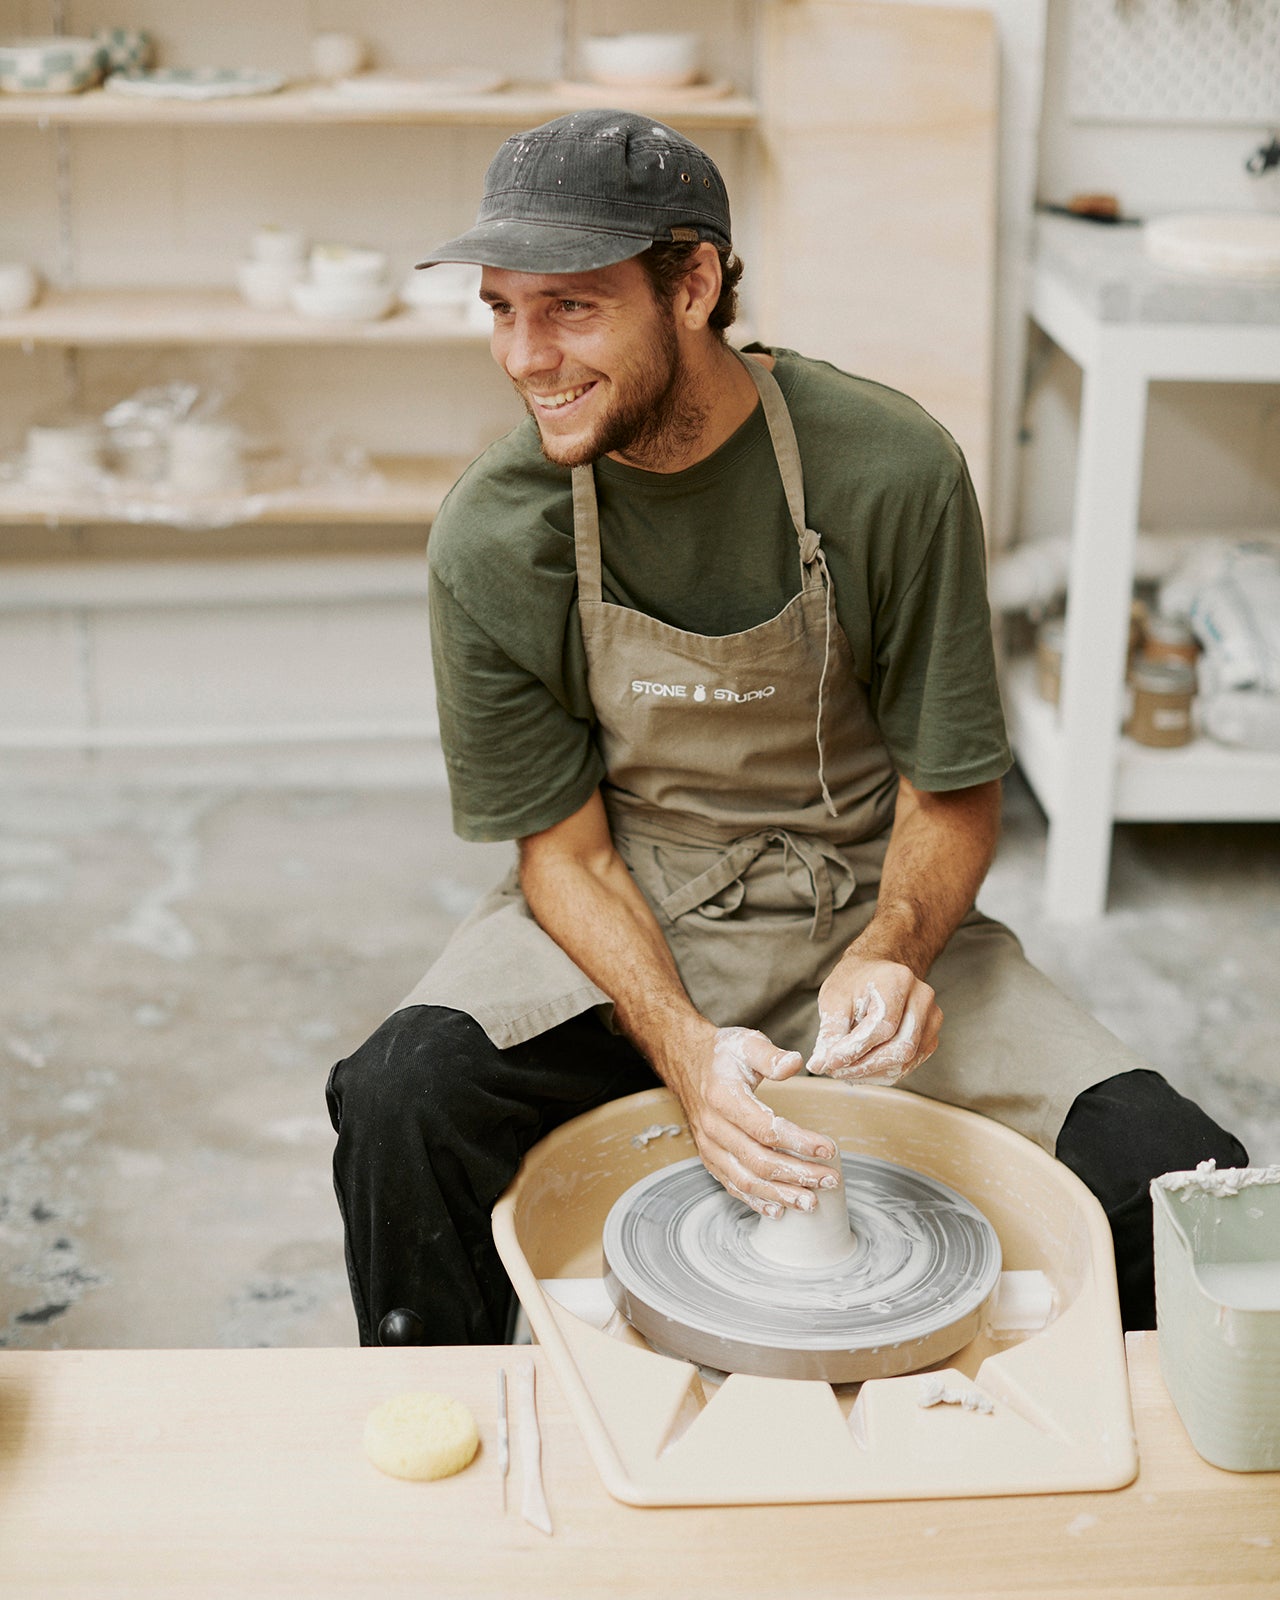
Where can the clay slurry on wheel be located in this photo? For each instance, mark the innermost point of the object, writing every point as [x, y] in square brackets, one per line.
[682, 1267]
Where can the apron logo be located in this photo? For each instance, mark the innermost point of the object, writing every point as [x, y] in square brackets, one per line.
[680, 691]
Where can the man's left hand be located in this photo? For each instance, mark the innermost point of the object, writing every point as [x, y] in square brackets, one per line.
[876, 1022]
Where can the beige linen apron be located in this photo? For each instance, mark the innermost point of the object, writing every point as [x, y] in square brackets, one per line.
[750, 794]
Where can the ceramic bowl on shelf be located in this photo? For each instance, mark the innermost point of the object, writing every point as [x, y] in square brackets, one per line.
[342, 265]
[641, 60]
[342, 302]
[19, 287]
[49, 65]
[266, 285]
[125, 49]
[452, 286]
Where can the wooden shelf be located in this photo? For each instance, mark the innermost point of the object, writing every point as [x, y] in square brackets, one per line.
[210, 317]
[403, 489]
[1198, 782]
[309, 104]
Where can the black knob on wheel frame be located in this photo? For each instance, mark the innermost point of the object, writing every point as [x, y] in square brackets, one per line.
[402, 1326]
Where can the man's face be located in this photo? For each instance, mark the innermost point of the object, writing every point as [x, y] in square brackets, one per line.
[594, 357]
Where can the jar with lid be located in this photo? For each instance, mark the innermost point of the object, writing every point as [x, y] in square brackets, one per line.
[1162, 696]
[1169, 639]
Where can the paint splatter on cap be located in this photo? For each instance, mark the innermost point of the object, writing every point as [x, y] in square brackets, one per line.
[589, 190]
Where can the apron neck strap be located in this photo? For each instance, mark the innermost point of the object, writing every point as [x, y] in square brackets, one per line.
[586, 534]
[786, 451]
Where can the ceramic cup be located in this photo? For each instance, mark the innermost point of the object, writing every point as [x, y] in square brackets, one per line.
[337, 55]
[63, 455]
[125, 49]
[206, 457]
[265, 285]
[19, 287]
[270, 243]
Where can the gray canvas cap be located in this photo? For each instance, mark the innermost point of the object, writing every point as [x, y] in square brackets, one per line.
[588, 190]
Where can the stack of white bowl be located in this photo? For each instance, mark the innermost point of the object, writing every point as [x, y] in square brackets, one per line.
[451, 290]
[277, 259]
[347, 283]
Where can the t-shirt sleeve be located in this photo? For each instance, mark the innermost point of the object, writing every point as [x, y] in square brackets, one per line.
[518, 761]
[934, 692]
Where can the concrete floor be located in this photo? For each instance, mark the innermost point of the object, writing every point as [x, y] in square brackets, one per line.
[183, 964]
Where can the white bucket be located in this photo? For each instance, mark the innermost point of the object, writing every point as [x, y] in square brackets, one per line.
[1217, 1243]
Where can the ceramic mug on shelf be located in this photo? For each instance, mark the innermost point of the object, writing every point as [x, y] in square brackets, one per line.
[125, 49]
[206, 456]
[338, 55]
[266, 285]
[64, 455]
[19, 287]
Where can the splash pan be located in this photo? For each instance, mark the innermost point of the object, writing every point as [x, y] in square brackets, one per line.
[1040, 1410]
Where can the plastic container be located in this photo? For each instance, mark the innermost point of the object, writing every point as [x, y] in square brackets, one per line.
[1162, 696]
[1217, 1248]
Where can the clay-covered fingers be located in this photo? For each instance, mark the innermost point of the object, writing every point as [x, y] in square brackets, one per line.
[875, 1024]
[759, 1157]
[912, 1045]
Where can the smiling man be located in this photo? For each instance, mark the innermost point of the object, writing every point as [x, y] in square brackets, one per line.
[712, 644]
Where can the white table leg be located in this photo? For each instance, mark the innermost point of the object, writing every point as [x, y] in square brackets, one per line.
[1100, 583]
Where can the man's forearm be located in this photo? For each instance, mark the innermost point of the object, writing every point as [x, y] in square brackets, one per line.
[583, 895]
[585, 898]
[938, 855]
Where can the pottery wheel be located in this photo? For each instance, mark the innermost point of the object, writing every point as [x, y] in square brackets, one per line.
[681, 1266]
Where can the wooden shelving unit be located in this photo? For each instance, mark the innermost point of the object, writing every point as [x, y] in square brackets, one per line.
[310, 103]
[400, 490]
[162, 316]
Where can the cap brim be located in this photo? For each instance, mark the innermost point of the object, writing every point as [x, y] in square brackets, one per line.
[517, 246]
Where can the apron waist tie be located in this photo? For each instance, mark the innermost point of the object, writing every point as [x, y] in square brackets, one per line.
[807, 864]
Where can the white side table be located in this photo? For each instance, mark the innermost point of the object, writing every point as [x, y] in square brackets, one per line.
[1126, 324]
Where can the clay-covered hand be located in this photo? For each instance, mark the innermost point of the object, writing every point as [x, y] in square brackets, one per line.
[876, 1022]
[758, 1156]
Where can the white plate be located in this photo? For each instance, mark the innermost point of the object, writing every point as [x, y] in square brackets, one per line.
[195, 83]
[384, 86]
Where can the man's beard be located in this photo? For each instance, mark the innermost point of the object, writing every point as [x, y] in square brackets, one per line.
[658, 415]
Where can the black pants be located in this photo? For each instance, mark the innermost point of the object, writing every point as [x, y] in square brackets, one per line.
[433, 1121]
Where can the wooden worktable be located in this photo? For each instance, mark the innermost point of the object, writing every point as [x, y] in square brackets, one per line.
[182, 1473]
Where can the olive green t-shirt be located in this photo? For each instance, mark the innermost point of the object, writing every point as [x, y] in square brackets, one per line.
[712, 550]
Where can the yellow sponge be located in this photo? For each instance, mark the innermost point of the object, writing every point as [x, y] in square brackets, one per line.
[420, 1436]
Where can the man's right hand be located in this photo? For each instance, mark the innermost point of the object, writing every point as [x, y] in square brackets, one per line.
[758, 1156]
